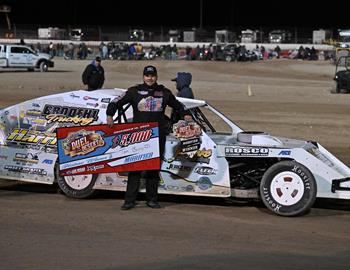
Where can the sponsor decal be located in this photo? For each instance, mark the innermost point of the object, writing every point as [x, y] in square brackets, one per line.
[302, 175]
[53, 118]
[205, 170]
[276, 207]
[2, 157]
[204, 183]
[20, 169]
[179, 167]
[36, 105]
[285, 153]
[190, 141]
[76, 171]
[33, 112]
[189, 135]
[246, 151]
[74, 96]
[201, 156]
[87, 98]
[105, 100]
[185, 130]
[47, 161]
[26, 136]
[95, 105]
[70, 111]
[26, 158]
[190, 148]
[205, 153]
[82, 143]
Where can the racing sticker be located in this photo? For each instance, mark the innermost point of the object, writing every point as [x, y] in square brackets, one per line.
[67, 114]
[100, 149]
[246, 151]
[189, 135]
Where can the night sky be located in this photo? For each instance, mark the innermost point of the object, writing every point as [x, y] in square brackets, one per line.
[179, 13]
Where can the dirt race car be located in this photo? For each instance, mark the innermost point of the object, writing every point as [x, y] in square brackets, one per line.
[286, 174]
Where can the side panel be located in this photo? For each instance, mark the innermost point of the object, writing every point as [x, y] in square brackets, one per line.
[27, 165]
[28, 129]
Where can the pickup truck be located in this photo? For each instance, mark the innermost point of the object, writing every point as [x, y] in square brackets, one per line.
[21, 56]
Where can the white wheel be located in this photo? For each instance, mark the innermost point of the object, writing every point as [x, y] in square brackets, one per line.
[288, 188]
[79, 182]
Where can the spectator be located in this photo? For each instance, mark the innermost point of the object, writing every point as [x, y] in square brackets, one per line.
[94, 75]
[183, 81]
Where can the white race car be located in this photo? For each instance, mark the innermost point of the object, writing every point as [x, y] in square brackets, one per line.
[286, 174]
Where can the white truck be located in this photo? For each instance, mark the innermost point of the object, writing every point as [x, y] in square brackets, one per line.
[21, 56]
[51, 33]
[249, 36]
[279, 36]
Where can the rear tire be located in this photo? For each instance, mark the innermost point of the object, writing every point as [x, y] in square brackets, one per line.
[288, 189]
[44, 67]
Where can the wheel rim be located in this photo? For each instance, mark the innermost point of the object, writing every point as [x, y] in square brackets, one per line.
[287, 188]
[78, 182]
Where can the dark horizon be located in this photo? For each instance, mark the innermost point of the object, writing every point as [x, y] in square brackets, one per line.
[183, 14]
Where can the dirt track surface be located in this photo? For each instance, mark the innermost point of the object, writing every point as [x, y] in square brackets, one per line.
[41, 229]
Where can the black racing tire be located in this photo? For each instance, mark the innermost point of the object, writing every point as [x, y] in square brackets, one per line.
[44, 67]
[288, 188]
[77, 186]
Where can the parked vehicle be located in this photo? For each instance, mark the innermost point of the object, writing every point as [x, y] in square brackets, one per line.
[21, 56]
[249, 36]
[286, 174]
[279, 36]
[342, 75]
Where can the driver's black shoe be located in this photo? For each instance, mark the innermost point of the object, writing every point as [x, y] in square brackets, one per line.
[153, 204]
[128, 206]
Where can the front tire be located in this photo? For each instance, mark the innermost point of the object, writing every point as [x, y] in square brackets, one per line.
[288, 189]
[77, 186]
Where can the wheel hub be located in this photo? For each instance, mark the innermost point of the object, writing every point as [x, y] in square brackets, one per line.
[78, 182]
[287, 188]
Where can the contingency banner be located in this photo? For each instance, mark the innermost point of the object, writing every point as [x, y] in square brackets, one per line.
[100, 149]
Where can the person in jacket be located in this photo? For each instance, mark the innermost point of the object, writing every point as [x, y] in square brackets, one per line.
[94, 75]
[183, 81]
[149, 101]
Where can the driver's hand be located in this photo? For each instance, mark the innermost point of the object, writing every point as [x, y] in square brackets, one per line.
[110, 121]
[188, 118]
